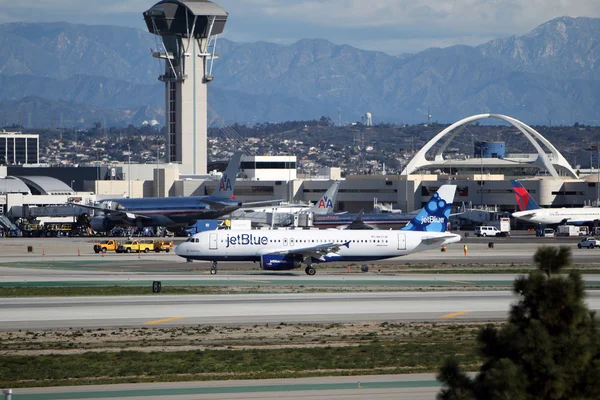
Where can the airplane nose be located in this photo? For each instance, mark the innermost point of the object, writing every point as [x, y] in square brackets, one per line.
[180, 249]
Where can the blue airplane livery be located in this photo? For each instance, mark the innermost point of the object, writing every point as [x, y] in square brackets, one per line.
[287, 249]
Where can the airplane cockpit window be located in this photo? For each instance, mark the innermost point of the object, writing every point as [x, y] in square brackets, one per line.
[197, 240]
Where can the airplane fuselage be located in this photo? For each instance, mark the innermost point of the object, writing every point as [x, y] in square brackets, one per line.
[376, 220]
[251, 245]
[559, 215]
[170, 211]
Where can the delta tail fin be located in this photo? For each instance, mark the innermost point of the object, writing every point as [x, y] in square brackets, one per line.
[434, 216]
[224, 189]
[326, 204]
[524, 199]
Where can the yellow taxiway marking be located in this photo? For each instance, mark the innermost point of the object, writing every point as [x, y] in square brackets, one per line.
[160, 321]
[456, 314]
[466, 283]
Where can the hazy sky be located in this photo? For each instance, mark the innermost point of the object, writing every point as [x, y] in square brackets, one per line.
[392, 26]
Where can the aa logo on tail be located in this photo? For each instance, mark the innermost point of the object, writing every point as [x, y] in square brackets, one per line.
[325, 202]
[225, 184]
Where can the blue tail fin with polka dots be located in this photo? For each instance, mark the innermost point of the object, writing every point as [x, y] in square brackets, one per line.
[434, 216]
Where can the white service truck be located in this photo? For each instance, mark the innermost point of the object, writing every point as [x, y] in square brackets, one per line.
[502, 224]
[570, 230]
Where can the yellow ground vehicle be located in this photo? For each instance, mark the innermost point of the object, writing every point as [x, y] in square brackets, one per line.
[32, 230]
[58, 229]
[106, 245]
[137, 245]
[163, 245]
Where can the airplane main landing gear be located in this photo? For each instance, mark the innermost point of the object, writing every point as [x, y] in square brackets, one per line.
[310, 270]
[213, 268]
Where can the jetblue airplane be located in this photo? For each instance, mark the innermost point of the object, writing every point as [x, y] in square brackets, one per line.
[286, 249]
[170, 212]
[529, 211]
[282, 215]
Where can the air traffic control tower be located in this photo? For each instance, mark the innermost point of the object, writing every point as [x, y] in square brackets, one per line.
[188, 30]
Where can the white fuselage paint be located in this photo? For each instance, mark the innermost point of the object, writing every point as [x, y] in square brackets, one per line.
[558, 215]
[250, 245]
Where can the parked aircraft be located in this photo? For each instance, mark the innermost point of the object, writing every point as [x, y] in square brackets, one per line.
[286, 249]
[170, 212]
[529, 211]
[363, 220]
[283, 215]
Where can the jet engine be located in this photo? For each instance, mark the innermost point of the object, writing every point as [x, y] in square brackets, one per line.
[101, 224]
[276, 262]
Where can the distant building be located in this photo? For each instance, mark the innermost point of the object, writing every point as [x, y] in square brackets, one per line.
[19, 148]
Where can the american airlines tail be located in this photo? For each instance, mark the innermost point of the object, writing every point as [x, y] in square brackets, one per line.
[224, 189]
[434, 216]
[326, 204]
[524, 199]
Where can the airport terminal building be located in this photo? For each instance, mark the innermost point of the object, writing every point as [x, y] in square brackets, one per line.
[483, 179]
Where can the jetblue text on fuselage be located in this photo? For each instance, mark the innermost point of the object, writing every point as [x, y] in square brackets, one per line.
[246, 239]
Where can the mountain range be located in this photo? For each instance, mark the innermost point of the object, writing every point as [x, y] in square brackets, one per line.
[60, 74]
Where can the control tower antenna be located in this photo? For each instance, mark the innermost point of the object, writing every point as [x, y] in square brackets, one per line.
[189, 30]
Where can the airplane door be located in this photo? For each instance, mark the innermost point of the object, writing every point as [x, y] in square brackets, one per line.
[285, 241]
[401, 241]
[291, 241]
[212, 244]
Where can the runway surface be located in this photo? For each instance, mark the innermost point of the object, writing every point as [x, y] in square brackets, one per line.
[242, 309]
[376, 387]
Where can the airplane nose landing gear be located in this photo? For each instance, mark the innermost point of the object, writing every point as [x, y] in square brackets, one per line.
[213, 268]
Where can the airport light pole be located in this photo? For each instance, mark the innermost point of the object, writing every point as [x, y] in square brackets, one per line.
[481, 173]
[129, 171]
[591, 149]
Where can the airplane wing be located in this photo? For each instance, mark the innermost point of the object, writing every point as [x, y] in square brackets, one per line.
[314, 251]
[254, 203]
[217, 205]
[114, 214]
[358, 223]
[437, 239]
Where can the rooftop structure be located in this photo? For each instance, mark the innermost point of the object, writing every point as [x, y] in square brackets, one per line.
[19, 148]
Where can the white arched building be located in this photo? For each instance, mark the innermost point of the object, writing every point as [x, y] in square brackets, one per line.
[548, 158]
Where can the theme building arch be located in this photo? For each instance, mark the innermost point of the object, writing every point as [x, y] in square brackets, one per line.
[554, 162]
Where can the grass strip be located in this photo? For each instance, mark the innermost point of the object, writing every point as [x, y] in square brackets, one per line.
[133, 366]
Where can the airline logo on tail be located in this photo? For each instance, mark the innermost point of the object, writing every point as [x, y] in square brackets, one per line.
[224, 189]
[225, 184]
[325, 202]
[524, 200]
[434, 216]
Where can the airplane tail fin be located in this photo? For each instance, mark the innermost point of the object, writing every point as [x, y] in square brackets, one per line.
[434, 216]
[224, 189]
[326, 204]
[524, 199]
